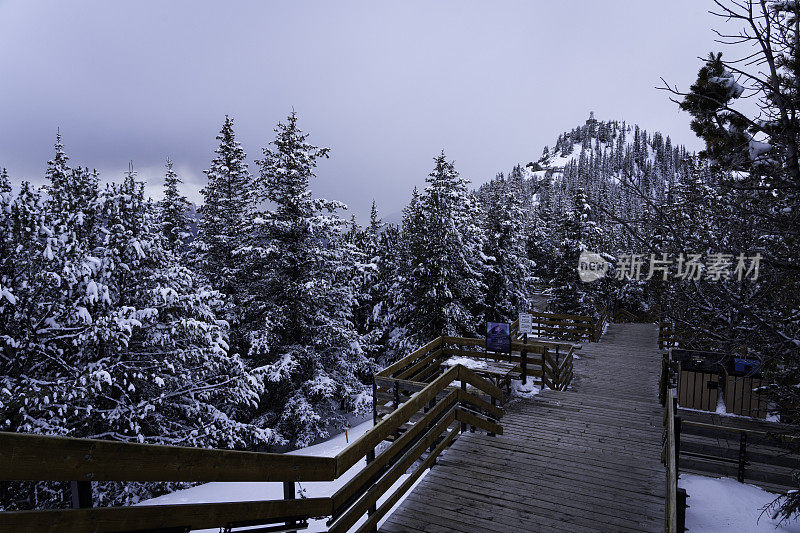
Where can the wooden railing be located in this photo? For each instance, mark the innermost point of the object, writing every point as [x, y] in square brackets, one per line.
[600, 324]
[755, 455]
[667, 336]
[573, 328]
[434, 409]
[675, 519]
[550, 362]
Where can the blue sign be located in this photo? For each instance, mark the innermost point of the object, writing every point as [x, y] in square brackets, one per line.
[498, 337]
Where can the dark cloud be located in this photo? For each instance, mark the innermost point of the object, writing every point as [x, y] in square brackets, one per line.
[385, 85]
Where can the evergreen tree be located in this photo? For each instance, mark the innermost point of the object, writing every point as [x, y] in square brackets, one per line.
[508, 270]
[305, 348]
[174, 209]
[226, 216]
[126, 346]
[443, 285]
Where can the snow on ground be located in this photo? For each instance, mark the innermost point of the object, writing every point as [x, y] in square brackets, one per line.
[529, 390]
[253, 491]
[472, 364]
[724, 504]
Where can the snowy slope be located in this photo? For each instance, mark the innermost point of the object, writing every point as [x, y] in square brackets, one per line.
[717, 505]
[252, 491]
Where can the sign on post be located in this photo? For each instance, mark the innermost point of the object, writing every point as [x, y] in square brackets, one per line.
[525, 323]
[498, 337]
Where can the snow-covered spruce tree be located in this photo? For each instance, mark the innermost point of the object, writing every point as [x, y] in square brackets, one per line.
[577, 233]
[508, 269]
[367, 284]
[174, 211]
[441, 283]
[226, 219]
[383, 322]
[109, 337]
[303, 345]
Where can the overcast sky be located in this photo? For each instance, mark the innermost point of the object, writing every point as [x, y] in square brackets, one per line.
[386, 85]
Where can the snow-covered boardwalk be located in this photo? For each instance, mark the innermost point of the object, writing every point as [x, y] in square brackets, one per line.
[587, 459]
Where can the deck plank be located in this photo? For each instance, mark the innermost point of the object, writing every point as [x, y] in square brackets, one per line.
[585, 459]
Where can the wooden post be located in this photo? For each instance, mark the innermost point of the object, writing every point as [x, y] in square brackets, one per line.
[494, 403]
[374, 402]
[396, 404]
[431, 405]
[464, 388]
[289, 493]
[677, 435]
[544, 365]
[681, 510]
[742, 456]
[524, 363]
[81, 494]
[372, 508]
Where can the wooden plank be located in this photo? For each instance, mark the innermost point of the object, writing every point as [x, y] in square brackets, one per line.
[466, 397]
[352, 487]
[390, 502]
[41, 457]
[352, 515]
[369, 440]
[491, 356]
[473, 420]
[193, 516]
[422, 363]
[405, 361]
[547, 478]
[609, 509]
[465, 374]
[573, 510]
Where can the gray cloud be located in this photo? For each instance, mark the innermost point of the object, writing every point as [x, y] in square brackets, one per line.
[385, 85]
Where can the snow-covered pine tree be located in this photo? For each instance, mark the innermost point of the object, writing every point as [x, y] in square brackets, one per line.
[367, 284]
[226, 219]
[5, 183]
[124, 345]
[441, 280]
[508, 270]
[577, 232]
[303, 345]
[174, 211]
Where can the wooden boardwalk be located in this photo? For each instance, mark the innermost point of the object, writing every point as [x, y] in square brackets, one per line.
[587, 459]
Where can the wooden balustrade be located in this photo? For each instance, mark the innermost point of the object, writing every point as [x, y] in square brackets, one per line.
[675, 518]
[396, 383]
[425, 422]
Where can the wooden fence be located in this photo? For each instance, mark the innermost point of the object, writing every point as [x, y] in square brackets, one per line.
[574, 328]
[548, 361]
[571, 328]
[436, 411]
[667, 336]
[675, 518]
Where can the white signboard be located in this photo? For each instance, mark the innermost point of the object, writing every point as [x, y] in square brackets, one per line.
[525, 323]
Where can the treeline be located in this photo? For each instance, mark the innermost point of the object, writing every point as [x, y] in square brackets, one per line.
[261, 330]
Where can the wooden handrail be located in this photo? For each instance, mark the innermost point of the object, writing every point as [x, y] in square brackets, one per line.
[369, 440]
[731, 429]
[154, 517]
[35, 457]
[43, 457]
[672, 470]
[398, 365]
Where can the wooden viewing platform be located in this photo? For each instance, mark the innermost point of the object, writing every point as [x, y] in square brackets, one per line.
[585, 459]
